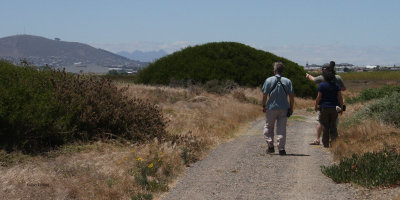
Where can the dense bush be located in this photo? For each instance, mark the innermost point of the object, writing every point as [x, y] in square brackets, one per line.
[387, 109]
[41, 109]
[223, 61]
[370, 169]
[386, 106]
[369, 94]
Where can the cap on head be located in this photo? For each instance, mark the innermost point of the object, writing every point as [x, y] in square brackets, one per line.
[278, 67]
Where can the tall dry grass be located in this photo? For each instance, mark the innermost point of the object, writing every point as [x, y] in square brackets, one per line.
[108, 170]
[370, 136]
[302, 103]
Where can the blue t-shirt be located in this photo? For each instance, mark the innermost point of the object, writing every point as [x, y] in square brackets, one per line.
[277, 98]
[329, 94]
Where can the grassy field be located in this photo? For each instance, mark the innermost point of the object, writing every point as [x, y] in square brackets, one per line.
[122, 170]
[372, 76]
[198, 121]
[370, 135]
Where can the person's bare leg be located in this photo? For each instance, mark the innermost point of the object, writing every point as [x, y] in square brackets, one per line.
[319, 131]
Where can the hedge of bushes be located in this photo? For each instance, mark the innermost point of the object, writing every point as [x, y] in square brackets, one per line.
[224, 61]
[41, 109]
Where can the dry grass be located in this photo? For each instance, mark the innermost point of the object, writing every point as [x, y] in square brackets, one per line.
[370, 136]
[101, 173]
[301, 103]
[197, 122]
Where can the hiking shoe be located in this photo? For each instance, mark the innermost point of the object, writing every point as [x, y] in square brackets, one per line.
[270, 150]
[282, 152]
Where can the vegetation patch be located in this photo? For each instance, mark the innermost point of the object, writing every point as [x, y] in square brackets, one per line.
[241, 97]
[369, 169]
[9, 159]
[369, 94]
[386, 109]
[141, 196]
[223, 61]
[371, 76]
[297, 118]
[43, 109]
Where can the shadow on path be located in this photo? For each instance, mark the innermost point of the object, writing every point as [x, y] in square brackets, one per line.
[289, 154]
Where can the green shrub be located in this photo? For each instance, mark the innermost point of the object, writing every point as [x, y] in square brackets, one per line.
[42, 109]
[387, 109]
[356, 118]
[369, 169]
[223, 61]
[369, 94]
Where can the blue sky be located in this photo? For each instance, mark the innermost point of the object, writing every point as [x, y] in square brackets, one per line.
[315, 31]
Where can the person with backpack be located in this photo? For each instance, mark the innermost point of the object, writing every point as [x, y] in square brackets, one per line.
[275, 104]
[318, 80]
[329, 97]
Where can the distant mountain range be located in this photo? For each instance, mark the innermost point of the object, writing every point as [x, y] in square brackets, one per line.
[73, 56]
[149, 56]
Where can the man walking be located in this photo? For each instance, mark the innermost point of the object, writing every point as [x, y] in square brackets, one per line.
[277, 107]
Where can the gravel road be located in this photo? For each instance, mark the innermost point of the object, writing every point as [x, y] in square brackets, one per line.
[241, 169]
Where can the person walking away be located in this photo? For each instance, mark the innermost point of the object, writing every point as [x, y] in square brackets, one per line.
[329, 96]
[275, 103]
[318, 80]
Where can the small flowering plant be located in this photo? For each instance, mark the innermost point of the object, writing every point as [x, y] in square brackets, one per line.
[146, 173]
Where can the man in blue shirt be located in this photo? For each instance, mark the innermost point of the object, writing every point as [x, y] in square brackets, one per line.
[277, 88]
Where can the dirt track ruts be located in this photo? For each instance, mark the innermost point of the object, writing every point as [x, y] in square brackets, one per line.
[240, 169]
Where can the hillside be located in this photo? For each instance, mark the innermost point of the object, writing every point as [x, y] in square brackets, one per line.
[73, 56]
[223, 61]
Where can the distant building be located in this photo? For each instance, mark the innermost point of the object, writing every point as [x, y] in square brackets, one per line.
[312, 67]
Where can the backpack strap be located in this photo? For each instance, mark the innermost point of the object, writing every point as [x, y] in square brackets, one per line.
[278, 79]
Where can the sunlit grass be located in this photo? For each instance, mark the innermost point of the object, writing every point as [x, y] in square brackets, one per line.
[121, 170]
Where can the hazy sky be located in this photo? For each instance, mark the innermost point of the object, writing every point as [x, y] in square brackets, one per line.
[314, 31]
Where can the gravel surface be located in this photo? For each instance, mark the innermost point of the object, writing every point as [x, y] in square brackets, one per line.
[241, 169]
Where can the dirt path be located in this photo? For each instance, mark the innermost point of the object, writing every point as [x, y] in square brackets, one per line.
[241, 169]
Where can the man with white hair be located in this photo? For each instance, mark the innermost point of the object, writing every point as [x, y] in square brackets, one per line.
[275, 90]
